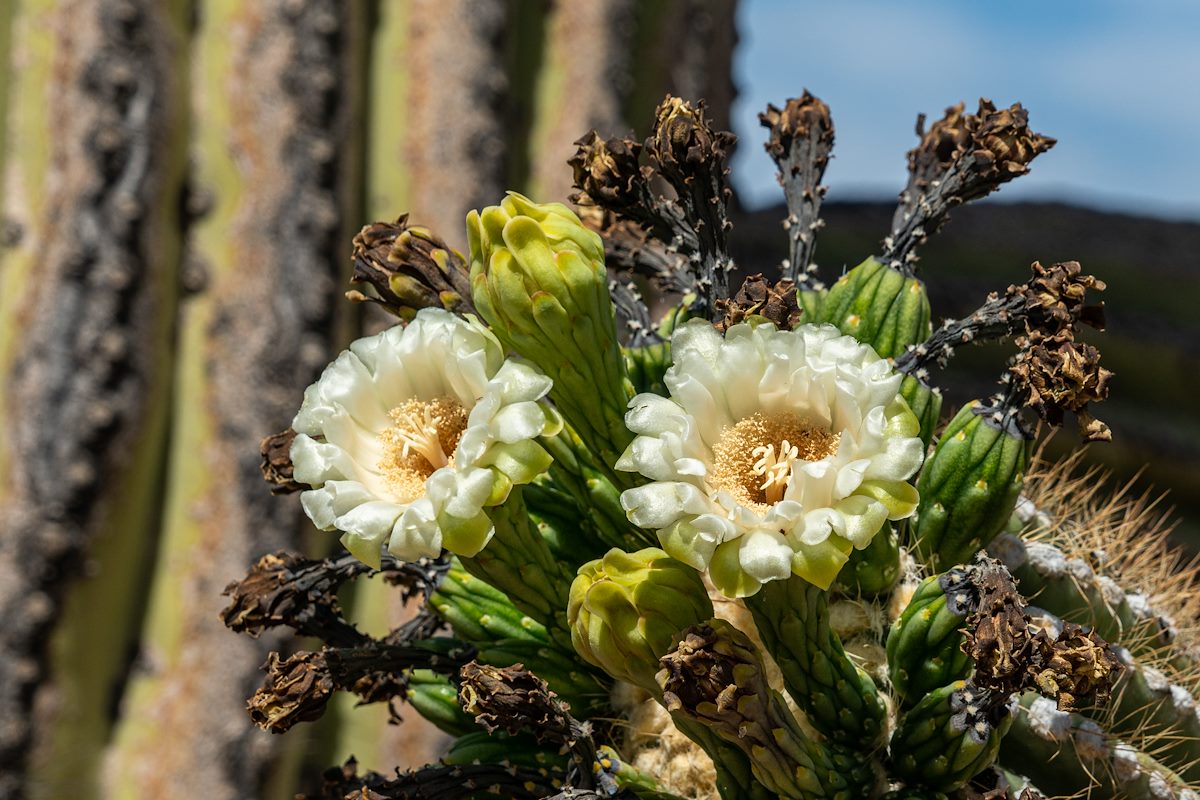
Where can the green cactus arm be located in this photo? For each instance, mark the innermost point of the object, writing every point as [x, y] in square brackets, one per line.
[1066, 754]
[1148, 710]
[879, 305]
[434, 697]
[597, 498]
[839, 699]
[518, 562]
[950, 736]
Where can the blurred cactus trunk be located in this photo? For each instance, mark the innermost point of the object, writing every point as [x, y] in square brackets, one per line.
[181, 181]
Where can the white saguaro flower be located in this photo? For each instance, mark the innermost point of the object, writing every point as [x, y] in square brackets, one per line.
[776, 453]
[410, 434]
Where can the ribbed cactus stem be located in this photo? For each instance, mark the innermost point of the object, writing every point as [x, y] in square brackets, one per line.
[1066, 754]
[839, 699]
[951, 735]
[598, 500]
[519, 563]
[715, 677]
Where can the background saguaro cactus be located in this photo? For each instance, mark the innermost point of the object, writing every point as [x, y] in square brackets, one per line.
[180, 183]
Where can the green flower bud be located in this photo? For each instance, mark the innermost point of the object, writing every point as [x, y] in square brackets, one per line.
[969, 486]
[924, 646]
[538, 279]
[879, 305]
[628, 609]
[925, 401]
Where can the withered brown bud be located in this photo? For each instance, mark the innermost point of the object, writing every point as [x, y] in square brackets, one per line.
[513, 699]
[285, 589]
[758, 299]
[1011, 656]
[998, 638]
[1058, 374]
[607, 172]
[1055, 297]
[800, 118]
[405, 268]
[960, 158]
[296, 690]
[684, 142]
[1075, 667]
[276, 465]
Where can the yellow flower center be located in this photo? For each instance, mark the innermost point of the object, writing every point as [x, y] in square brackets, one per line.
[421, 441]
[752, 460]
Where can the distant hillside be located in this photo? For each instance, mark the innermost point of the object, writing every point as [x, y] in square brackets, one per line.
[1152, 343]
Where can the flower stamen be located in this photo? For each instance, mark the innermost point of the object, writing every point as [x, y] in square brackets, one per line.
[753, 458]
[421, 441]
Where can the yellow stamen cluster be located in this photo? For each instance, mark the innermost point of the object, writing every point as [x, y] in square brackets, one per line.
[753, 458]
[421, 441]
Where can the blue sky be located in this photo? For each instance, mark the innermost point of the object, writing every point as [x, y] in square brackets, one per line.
[1117, 83]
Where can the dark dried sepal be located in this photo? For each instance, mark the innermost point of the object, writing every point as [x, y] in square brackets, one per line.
[276, 465]
[1011, 656]
[439, 782]
[1055, 297]
[758, 299]
[608, 172]
[1052, 302]
[1055, 374]
[405, 268]
[960, 158]
[513, 699]
[800, 142]
[296, 689]
[1076, 665]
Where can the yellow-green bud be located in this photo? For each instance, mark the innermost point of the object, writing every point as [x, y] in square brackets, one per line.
[538, 279]
[627, 610]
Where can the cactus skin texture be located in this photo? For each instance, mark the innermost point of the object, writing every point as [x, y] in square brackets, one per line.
[968, 488]
[924, 646]
[879, 305]
[941, 671]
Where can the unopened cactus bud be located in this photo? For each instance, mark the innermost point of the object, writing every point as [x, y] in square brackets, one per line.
[879, 305]
[539, 280]
[925, 401]
[948, 737]
[924, 646]
[969, 486]
[627, 609]
[405, 268]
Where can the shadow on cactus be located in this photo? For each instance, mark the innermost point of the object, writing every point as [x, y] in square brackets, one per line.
[722, 544]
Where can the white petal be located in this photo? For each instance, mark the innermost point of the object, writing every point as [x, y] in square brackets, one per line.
[657, 505]
[765, 555]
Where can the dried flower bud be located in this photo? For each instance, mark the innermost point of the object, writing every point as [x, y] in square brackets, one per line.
[800, 118]
[758, 299]
[1058, 374]
[684, 142]
[1055, 297]
[1076, 666]
[296, 690]
[960, 158]
[405, 268]
[607, 172]
[276, 465]
[513, 699]
[998, 637]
